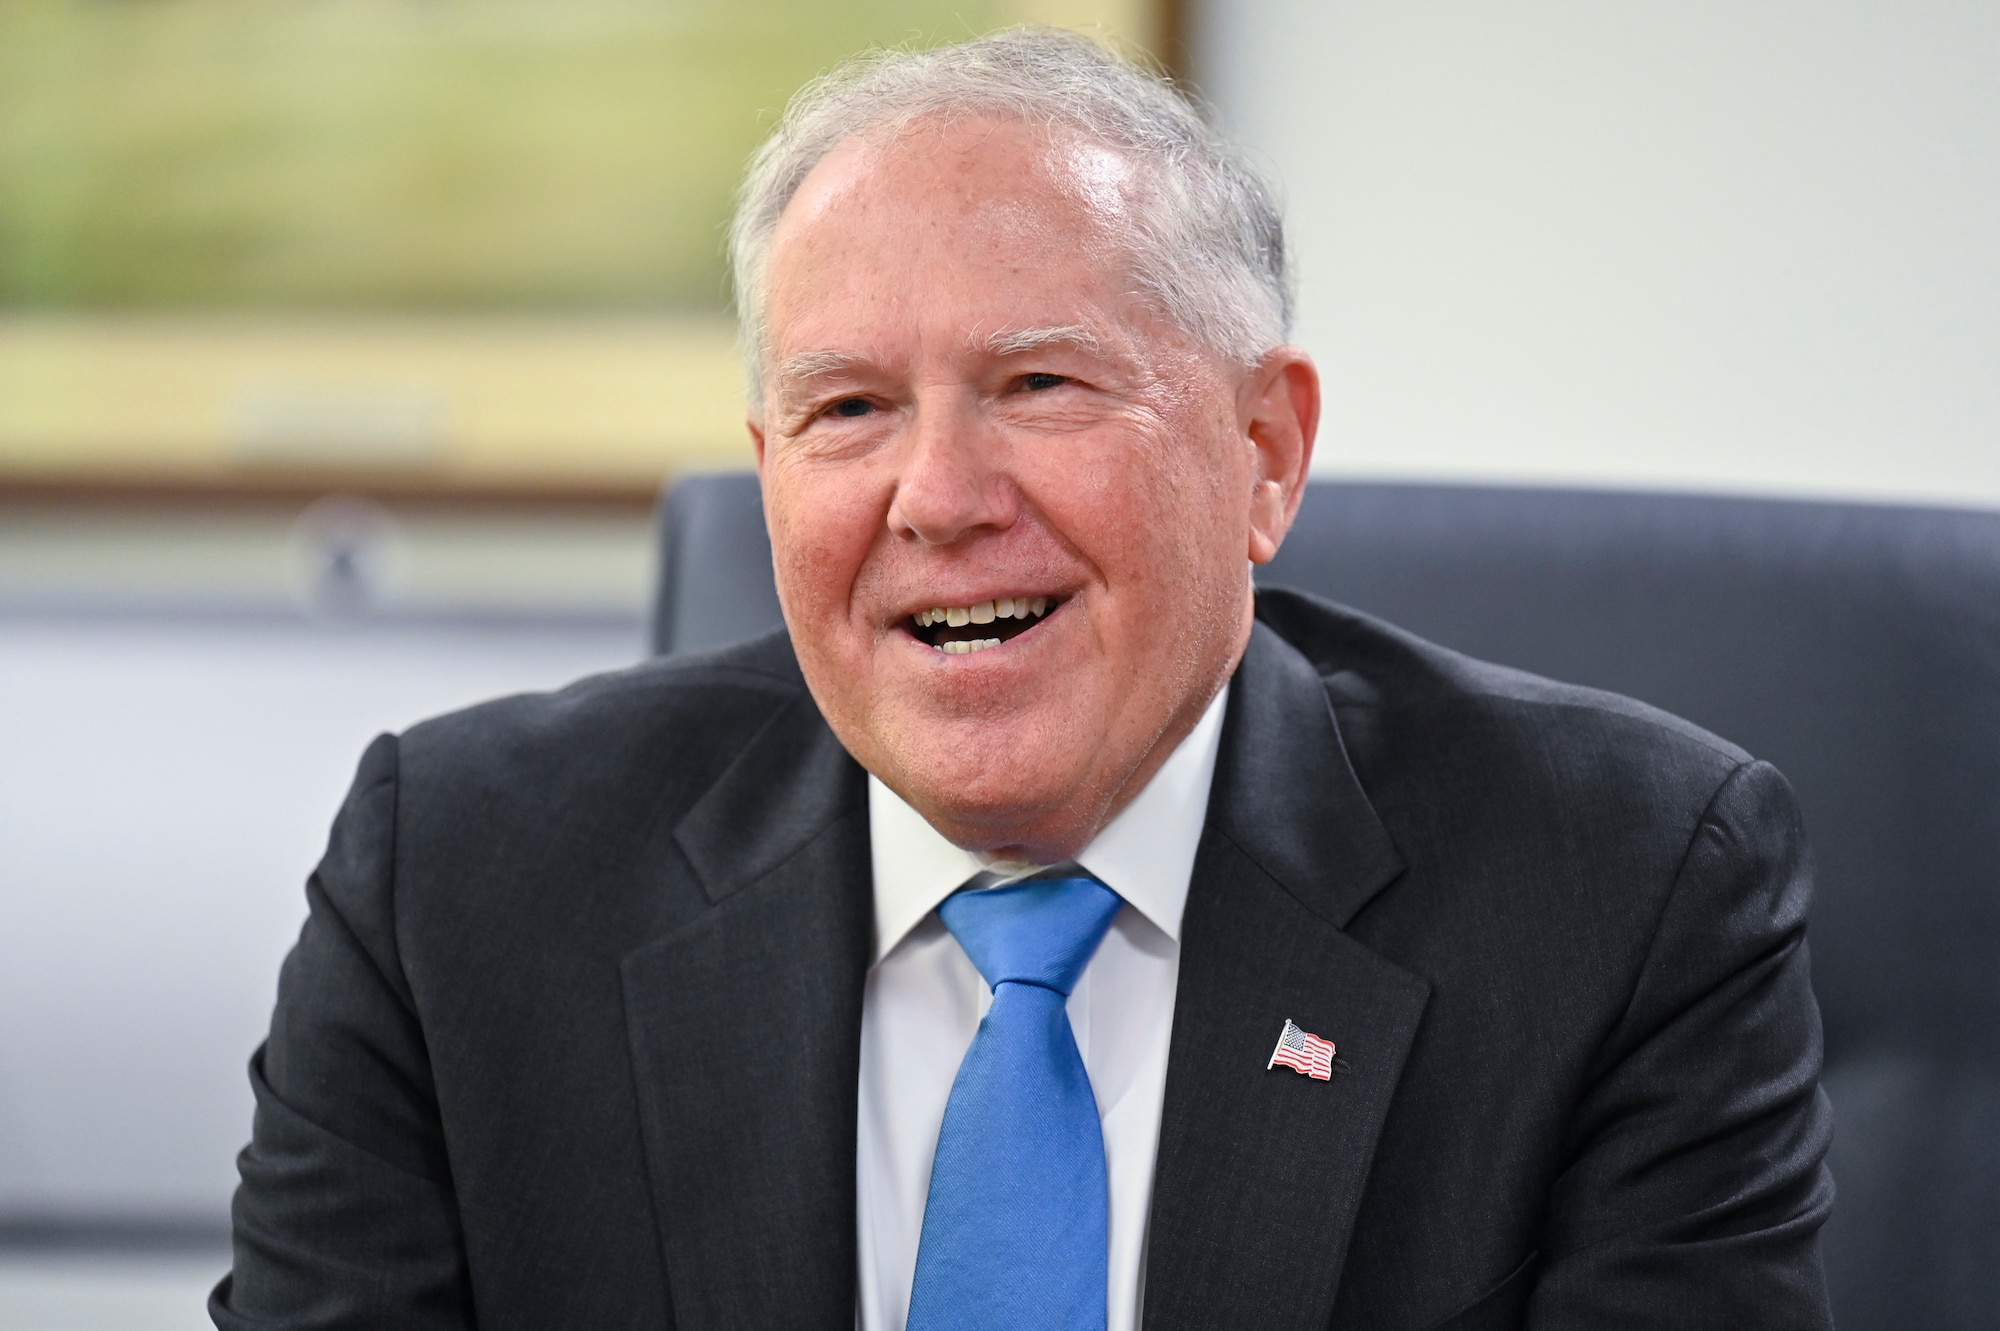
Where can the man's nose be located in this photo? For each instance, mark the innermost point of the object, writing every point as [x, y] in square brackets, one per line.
[952, 482]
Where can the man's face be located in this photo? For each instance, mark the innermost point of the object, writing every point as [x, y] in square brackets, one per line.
[968, 410]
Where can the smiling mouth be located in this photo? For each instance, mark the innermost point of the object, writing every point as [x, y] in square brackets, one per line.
[958, 630]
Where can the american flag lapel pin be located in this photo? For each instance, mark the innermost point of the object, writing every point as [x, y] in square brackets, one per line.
[1302, 1051]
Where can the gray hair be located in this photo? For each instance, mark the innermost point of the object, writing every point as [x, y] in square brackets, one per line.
[1207, 243]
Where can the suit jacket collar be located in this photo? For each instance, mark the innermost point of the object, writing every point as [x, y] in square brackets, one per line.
[1261, 1171]
[1285, 793]
[745, 1029]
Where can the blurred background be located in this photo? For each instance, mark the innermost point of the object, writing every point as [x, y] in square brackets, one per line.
[345, 346]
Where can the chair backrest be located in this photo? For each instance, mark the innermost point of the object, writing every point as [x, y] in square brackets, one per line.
[1855, 646]
[714, 582]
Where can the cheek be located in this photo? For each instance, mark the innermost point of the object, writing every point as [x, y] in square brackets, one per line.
[821, 531]
[1192, 508]
[1209, 487]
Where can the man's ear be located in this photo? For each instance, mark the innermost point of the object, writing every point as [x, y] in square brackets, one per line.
[756, 428]
[1279, 413]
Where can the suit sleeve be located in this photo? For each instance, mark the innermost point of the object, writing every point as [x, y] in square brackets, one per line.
[345, 1216]
[1696, 1184]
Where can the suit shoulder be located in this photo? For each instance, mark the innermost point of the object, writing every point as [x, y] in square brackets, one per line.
[678, 717]
[1391, 686]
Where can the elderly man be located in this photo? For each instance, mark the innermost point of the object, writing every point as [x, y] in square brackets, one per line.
[1045, 931]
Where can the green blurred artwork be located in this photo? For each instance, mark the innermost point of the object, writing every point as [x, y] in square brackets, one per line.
[398, 154]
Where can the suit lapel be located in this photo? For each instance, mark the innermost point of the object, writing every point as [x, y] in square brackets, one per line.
[1260, 1172]
[745, 1030]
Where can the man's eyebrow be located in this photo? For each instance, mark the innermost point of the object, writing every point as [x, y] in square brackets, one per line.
[814, 365]
[1013, 341]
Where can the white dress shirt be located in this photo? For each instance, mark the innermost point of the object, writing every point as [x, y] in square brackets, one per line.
[924, 999]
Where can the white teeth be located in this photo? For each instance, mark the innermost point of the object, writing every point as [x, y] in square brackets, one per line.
[1000, 607]
[962, 648]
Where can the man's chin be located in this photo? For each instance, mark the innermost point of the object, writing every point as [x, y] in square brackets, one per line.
[1001, 803]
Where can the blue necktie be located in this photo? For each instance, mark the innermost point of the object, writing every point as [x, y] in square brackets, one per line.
[1016, 1229]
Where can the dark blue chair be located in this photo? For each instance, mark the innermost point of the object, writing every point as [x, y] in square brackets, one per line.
[1855, 646]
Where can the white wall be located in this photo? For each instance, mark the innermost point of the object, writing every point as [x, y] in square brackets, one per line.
[1744, 245]
[183, 697]
[166, 785]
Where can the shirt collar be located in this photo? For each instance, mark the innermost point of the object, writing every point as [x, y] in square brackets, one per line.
[1145, 854]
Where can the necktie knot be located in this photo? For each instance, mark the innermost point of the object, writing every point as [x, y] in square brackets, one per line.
[1041, 932]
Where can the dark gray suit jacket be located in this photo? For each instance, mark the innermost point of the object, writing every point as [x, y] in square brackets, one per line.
[571, 1036]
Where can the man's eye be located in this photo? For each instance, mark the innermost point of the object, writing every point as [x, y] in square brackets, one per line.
[851, 406]
[1037, 382]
